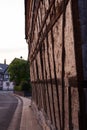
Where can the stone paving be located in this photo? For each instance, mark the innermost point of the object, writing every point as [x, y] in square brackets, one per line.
[28, 119]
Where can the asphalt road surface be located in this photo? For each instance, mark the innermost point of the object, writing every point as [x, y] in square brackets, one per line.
[8, 104]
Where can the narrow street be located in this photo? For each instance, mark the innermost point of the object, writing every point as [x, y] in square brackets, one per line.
[16, 113]
[8, 104]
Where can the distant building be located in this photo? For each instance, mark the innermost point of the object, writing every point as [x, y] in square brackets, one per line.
[5, 83]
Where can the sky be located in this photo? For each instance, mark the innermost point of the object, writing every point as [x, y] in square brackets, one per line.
[12, 31]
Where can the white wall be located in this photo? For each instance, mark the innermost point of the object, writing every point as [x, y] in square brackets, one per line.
[8, 87]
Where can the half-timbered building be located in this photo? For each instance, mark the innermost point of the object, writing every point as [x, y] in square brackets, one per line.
[56, 33]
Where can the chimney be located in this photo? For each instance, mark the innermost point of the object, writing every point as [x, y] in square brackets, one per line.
[4, 61]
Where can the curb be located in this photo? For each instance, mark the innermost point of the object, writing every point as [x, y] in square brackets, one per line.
[15, 122]
[28, 119]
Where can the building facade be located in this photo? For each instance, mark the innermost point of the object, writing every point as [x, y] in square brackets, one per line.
[5, 83]
[54, 36]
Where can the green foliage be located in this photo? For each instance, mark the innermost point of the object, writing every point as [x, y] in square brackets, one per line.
[26, 86]
[20, 74]
[17, 88]
[19, 71]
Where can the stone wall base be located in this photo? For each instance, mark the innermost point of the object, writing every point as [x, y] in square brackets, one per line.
[42, 118]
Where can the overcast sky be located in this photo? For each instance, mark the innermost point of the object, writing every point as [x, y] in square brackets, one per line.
[12, 30]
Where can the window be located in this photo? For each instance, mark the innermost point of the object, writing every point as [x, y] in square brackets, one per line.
[7, 83]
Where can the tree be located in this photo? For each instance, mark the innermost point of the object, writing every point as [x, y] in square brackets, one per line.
[19, 71]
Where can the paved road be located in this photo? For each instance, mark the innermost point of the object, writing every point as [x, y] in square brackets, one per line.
[8, 104]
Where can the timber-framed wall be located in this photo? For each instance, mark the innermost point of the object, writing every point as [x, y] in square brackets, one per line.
[52, 31]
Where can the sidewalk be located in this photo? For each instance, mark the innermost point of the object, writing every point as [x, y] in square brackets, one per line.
[28, 119]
